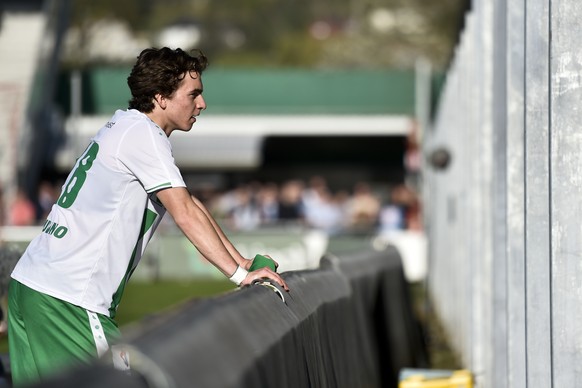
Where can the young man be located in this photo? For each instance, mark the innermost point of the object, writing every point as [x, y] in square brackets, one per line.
[68, 284]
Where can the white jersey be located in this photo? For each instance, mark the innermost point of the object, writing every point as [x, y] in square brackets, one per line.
[97, 231]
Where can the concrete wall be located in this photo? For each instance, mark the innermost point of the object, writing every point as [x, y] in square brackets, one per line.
[503, 219]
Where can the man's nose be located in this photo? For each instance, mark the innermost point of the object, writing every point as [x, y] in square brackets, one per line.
[201, 103]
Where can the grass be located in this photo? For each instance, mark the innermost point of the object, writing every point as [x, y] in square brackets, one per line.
[142, 299]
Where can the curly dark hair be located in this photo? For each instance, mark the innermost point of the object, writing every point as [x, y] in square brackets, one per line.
[161, 71]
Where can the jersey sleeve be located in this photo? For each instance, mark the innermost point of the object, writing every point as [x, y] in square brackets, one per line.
[147, 153]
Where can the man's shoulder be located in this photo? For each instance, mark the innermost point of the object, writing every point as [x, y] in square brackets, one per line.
[131, 125]
[128, 118]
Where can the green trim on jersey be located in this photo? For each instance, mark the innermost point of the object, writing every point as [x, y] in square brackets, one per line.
[160, 186]
[149, 218]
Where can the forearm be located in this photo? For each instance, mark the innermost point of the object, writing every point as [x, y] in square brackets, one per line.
[226, 242]
[194, 222]
[200, 231]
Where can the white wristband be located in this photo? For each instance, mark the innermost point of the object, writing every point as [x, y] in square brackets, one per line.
[239, 275]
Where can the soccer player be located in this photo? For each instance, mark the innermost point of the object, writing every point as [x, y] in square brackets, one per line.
[67, 286]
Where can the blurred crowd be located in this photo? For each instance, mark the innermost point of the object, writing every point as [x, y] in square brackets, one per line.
[313, 204]
[254, 205]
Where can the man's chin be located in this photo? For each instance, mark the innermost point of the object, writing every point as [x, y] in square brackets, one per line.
[185, 129]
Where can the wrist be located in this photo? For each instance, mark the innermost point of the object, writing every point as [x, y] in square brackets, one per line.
[239, 275]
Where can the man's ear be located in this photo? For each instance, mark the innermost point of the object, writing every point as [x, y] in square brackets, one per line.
[160, 100]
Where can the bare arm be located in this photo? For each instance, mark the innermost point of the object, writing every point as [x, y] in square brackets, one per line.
[243, 262]
[203, 232]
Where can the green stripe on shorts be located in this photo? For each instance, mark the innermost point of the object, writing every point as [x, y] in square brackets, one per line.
[47, 335]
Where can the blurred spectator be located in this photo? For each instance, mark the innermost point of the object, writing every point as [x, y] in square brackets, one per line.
[392, 215]
[313, 194]
[391, 218]
[244, 214]
[21, 210]
[363, 207]
[328, 215]
[268, 203]
[291, 206]
[409, 204]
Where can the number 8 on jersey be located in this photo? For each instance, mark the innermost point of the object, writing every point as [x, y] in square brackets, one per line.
[74, 184]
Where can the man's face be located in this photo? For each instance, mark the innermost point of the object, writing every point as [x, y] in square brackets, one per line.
[186, 103]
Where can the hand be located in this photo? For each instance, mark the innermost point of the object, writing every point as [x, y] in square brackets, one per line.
[274, 261]
[265, 273]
